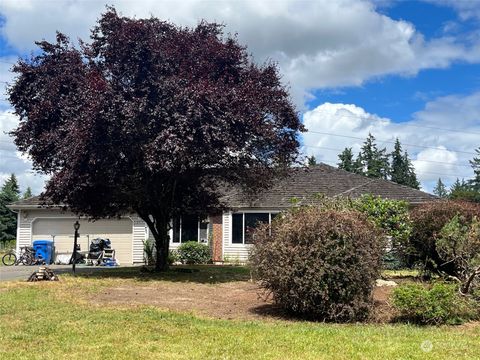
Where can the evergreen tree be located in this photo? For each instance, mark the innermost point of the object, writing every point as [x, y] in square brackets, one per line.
[8, 221]
[440, 189]
[11, 185]
[398, 173]
[358, 166]
[458, 186]
[461, 190]
[346, 160]
[402, 171]
[410, 175]
[28, 193]
[374, 162]
[311, 160]
[475, 162]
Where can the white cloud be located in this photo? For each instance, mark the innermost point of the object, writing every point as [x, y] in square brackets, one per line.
[11, 161]
[430, 128]
[317, 44]
[432, 163]
[6, 76]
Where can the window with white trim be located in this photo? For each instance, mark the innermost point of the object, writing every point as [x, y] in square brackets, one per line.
[189, 228]
[244, 224]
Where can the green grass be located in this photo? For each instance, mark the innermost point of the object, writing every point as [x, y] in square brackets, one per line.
[401, 273]
[54, 320]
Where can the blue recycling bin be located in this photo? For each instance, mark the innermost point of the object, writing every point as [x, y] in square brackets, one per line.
[44, 250]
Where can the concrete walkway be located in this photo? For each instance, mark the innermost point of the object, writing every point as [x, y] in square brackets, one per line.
[21, 272]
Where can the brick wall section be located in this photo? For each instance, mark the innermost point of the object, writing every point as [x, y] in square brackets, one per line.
[217, 238]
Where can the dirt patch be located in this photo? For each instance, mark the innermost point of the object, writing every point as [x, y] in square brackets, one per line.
[234, 300]
[383, 311]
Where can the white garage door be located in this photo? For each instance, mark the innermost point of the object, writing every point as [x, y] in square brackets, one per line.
[61, 231]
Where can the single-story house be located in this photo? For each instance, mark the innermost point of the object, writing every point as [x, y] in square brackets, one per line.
[226, 233]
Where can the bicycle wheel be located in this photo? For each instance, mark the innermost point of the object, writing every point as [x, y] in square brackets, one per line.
[27, 259]
[9, 259]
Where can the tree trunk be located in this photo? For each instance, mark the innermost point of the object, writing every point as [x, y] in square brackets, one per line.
[162, 245]
[159, 228]
[465, 289]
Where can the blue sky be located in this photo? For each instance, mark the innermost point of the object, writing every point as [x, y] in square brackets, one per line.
[406, 69]
[398, 97]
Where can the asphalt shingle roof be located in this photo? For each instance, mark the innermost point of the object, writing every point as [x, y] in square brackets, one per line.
[305, 184]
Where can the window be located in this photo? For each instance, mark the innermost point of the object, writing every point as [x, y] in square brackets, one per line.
[176, 230]
[237, 228]
[189, 228]
[244, 224]
[203, 231]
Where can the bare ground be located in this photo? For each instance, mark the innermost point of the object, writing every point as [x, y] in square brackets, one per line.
[240, 300]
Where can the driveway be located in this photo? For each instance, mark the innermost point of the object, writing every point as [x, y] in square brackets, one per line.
[21, 272]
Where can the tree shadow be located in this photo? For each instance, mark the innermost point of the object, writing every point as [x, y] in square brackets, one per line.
[203, 274]
[274, 311]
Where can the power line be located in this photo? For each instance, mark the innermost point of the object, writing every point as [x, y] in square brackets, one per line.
[393, 142]
[429, 161]
[417, 172]
[404, 124]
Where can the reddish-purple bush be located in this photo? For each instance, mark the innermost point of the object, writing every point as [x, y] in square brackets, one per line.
[428, 221]
[320, 264]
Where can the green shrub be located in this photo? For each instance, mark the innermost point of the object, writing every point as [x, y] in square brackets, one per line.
[173, 257]
[440, 304]
[319, 263]
[193, 252]
[392, 216]
[428, 221]
[459, 244]
[149, 252]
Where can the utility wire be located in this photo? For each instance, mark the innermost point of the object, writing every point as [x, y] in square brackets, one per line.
[393, 142]
[404, 124]
[417, 172]
[429, 161]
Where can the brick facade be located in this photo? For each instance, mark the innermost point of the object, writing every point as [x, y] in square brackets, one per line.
[217, 238]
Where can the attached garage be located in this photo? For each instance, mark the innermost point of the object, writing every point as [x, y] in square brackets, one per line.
[35, 222]
[120, 233]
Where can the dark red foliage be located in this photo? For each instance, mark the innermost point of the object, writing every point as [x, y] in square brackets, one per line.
[427, 222]
[319, 263]
[151, 117]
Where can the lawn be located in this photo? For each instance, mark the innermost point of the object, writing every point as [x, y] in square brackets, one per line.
[59, 320]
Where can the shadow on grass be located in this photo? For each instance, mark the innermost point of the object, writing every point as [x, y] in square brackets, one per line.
[204, 274]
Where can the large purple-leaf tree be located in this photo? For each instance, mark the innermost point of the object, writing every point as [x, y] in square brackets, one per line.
[152, 118]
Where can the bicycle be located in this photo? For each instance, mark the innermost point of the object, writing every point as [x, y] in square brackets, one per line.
[26, 256]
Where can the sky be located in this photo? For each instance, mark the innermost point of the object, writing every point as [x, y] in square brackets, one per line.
[398, 69]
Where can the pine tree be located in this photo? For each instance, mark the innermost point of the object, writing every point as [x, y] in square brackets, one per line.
[398, 174]
[410, 175]
[346, 160]
[374, 162]
[402, 170]
[440, 189]
[28, 193]
[8, 221]
[462, 190]
[311, 160]
[475, 162]
[358, 165]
